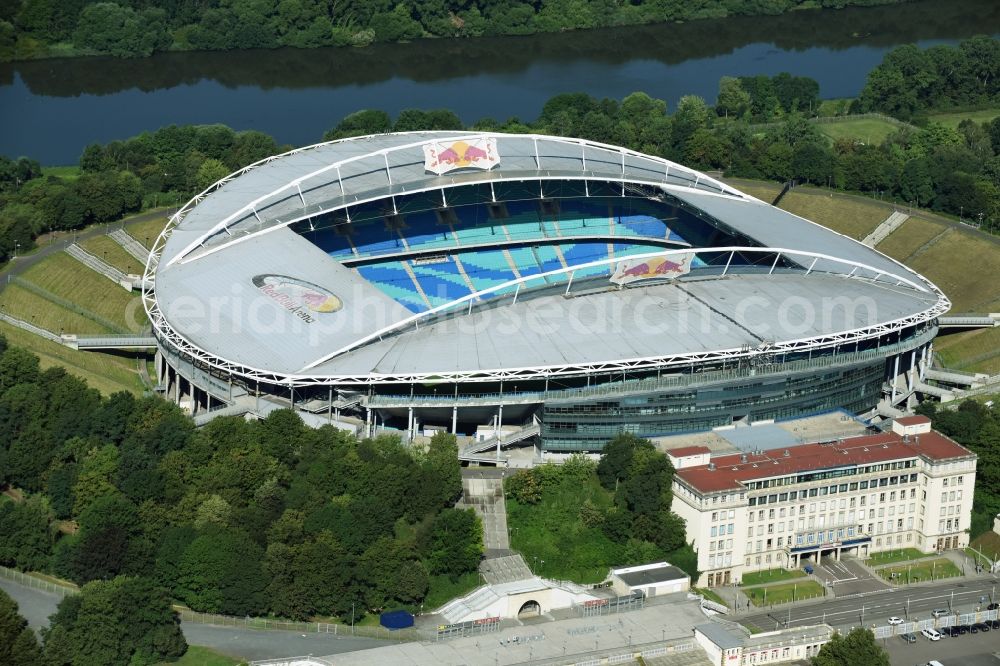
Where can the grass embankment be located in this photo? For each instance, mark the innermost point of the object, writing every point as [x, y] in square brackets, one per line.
[935, 569]
[710, 595]
[106, 249]
[783, 593]
[108, 373]
[67, 278]
[867, 130]
[890, 556]
[771, 576]
[18, 302]
[555, 542]
[988, 543]
[443, 590]
[852, 216]
[197, 655]
[146, 231]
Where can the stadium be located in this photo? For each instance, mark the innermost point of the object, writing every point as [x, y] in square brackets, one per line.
[523, 286]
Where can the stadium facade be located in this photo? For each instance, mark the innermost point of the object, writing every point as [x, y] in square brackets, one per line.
[552, 286]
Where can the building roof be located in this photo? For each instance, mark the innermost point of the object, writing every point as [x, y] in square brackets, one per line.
[731, 473]
[912, 420]
[649, 575]
[683, 451]
[723, 637]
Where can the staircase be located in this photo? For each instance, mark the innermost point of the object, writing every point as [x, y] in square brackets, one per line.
[92, 262]
[130, 245]
[883, 230]
[505, 440]
[485, 496]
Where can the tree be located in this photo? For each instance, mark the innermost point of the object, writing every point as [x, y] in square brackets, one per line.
[210, 171]
[126, 621]
[733, 100]
[360, 123]
[17, 641]
[857, 647]
[25, 540]
[616, 458]
[220, 572]
[456, 543]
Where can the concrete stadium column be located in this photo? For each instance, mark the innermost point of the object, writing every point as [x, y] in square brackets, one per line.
[895, 376]
[158, 358]
[329, 413]
[177, 388]
[454, 420]
[499, 425]
[368, 422]
[913, 369]
[409, 424]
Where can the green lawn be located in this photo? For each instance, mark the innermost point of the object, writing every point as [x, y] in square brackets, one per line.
[107, 373]
[197, 655]
[554, 541]
[971, 351]
[710, 595]
[867, 130]
[443, 589]
[18, 302]
[852, 216]
[785, 592]
[890, 556]
[771, 576]
[957, 264]
[941, 567]
[952, 119]
[762, 189]
[105, 248]
[64, 276]
[988, 543]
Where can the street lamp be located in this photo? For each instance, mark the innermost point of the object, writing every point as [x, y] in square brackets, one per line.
[17, 244]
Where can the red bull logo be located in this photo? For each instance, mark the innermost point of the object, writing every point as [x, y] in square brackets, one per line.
[473, 153]
[656, 267]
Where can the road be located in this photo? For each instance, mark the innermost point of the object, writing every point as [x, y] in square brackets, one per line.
[36, 606]
[877, 607]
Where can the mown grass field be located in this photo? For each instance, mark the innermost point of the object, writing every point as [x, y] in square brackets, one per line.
[771, 576]
[890, 556]
[971, 351]
[106, 249]
[64, 276]
[851, 216]
[867, 130]
[961, 264]
[64, 172]
[765, 191]
[108, 373]
[941, 567]
[785, 592]
[953, 119]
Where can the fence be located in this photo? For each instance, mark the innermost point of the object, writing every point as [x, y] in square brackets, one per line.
[271, 624]
[22, 578]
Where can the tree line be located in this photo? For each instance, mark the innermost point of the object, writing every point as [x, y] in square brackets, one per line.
[759, 127]
[268, 517]
[135, 28]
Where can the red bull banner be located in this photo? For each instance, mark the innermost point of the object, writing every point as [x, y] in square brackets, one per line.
[471, 153]
[633, 270]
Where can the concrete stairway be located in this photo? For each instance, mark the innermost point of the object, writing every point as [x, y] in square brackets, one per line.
[883, 230]
[92, 262]
[485, 496]
[130, 245]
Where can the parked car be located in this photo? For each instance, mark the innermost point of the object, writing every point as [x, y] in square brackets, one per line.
[981, 626]
[934, 662]
[994, 624]
[974, 629]
[963, 629]
[895, 620]
[931, 634]
[909, 638]
[993, 606]
[939, 612]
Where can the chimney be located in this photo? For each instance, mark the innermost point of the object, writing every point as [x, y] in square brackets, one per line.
[787, 453]
[711, 467]
[743, 457]
[906, 439]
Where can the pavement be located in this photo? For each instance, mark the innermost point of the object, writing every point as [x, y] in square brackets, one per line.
[968, 650]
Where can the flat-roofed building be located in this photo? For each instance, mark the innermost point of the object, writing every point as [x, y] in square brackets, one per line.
[732, 645]
[911, 487]
[650, 579]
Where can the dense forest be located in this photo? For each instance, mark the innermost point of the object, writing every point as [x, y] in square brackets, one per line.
[136, 28]
[242, 518]
[759, 127]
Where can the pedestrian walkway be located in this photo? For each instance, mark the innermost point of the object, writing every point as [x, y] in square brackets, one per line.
[485, 495]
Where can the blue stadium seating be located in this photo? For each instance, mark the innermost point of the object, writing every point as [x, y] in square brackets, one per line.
[525, 260]
[441, 281]
[486, 269]
[393, 280]
[422, 231]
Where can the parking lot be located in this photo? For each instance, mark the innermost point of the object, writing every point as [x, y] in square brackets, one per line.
[967, 650]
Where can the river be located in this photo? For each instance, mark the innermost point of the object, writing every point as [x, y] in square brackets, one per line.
[51, 109]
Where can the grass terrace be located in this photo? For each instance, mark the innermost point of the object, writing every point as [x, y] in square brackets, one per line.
[146, 231]
[23, 304]
[916, 232]
[783, 593]
[956, 263]
[935, 569]
[197, 655]
[106, 249]
[771, 576]
[67, 278]
[108, 373]
[891, 556]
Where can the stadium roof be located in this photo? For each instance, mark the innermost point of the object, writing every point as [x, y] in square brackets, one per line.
[218, 247]
[730, 472]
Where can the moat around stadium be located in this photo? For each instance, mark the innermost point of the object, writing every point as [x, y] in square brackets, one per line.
[542, 287]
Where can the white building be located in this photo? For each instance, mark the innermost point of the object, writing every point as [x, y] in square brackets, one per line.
[650, 579]
[733, 645]
[911, 487]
